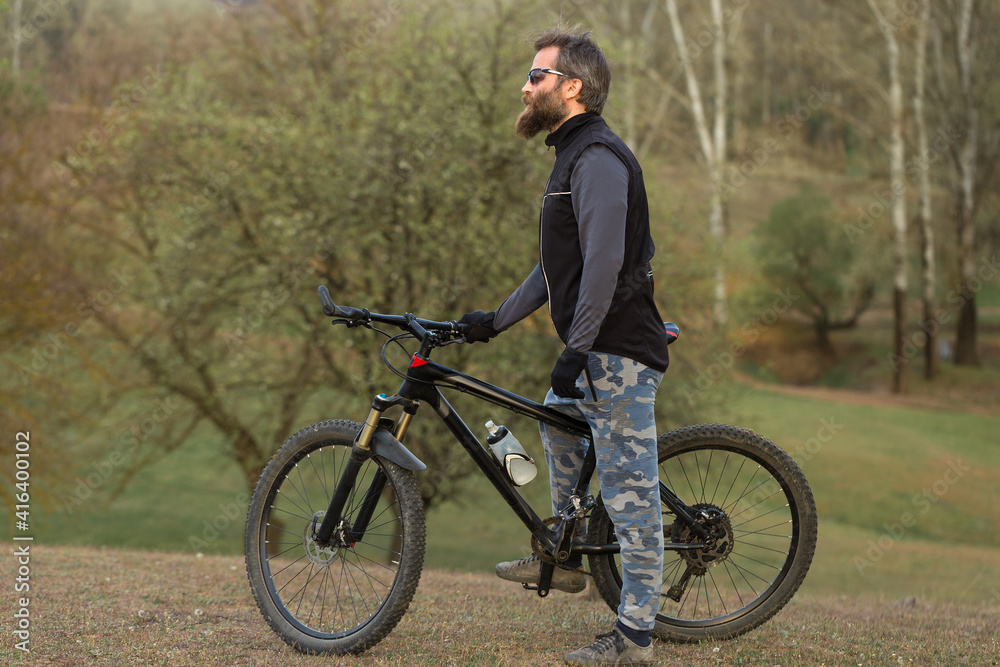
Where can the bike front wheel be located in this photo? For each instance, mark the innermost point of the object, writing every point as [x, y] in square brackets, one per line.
[760, 515]
[346, 597]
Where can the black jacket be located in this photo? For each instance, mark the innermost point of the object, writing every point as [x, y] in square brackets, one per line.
[595, 248]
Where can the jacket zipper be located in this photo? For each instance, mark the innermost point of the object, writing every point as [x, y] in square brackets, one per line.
[541, 255]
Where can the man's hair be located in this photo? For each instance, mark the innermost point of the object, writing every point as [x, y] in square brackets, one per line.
[580, 58]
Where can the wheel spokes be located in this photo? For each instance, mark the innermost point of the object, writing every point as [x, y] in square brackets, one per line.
[330, 590]
[756, 508]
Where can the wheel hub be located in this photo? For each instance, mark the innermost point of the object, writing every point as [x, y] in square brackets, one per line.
[317, 554]
[718, 545]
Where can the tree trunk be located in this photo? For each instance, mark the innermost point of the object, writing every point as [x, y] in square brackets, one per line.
[897, 177]
[899, 332]
[718, 219]
[927, 233]
[713, 149]
[16, 36]
[823, 342]
[965, 333]
[716, 224]
[767, 83]
[965, 339]
[628, 81]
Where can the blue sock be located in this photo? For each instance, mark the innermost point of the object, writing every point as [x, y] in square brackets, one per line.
[640, 637]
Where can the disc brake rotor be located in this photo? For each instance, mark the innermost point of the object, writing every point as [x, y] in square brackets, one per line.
[718, 545]
[317, 554]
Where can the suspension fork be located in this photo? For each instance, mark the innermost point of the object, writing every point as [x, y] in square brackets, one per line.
[360, 453]
[368, 505]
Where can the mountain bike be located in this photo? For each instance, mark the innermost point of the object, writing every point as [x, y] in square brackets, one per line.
[335, 531]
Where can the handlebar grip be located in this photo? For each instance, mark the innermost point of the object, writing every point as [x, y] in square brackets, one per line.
[333, 310]
[329, 307]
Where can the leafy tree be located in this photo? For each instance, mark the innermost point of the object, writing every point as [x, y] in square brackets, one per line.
[803, 248]
[275, 164]
[34, 273]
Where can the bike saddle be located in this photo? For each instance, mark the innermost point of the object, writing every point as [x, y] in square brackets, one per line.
[673, 331]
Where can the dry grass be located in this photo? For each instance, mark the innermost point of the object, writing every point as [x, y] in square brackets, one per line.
[110, 607]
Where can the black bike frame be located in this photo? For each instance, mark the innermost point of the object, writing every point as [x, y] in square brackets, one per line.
[423, 383]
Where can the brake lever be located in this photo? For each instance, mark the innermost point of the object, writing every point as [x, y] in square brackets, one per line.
[453, 341]
[352, 323]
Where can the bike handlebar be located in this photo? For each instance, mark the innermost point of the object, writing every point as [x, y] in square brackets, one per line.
[333, 310]
[408, 322]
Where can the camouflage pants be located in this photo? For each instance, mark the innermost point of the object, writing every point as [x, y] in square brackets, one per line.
[624, 430]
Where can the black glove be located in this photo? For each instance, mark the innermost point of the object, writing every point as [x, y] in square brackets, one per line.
[568, 368]
[479, 326]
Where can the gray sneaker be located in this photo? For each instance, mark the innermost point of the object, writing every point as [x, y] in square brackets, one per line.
[613, 648]
[527, 570]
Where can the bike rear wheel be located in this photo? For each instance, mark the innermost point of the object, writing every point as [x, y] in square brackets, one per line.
[332, 599]
[762, 530]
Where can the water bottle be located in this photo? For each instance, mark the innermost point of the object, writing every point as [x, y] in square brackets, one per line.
[510, 454]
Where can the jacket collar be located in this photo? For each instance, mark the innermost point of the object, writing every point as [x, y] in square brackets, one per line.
[569, 129]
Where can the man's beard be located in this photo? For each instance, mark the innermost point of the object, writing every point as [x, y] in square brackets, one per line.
[543, 111]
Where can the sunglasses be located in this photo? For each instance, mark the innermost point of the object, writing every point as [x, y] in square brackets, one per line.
[536, 75]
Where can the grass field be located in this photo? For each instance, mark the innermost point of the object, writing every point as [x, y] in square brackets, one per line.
[906, 497]
[867, 545]
[111, 607]
[907, 570]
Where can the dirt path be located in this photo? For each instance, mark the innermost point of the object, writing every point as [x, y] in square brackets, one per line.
[876, 398]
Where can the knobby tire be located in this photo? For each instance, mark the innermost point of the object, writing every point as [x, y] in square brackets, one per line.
[764, 544]
[332, 600]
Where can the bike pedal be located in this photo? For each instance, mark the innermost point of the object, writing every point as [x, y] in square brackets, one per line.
[542, 592]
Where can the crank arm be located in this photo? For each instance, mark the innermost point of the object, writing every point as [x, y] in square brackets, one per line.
[544, 580]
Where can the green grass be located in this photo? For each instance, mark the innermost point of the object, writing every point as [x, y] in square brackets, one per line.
[989, 295]
[906, 496]
[880, 532]
[193, 500]
[870, 465]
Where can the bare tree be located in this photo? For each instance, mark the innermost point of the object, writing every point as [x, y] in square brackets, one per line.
[713, 145]
[631, 26]
[962, 83]
[965, 179]
[224, 223]
[17, 10]
[897, 178]
[929, 274]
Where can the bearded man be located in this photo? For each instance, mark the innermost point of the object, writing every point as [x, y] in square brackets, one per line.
[594, 273]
